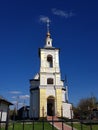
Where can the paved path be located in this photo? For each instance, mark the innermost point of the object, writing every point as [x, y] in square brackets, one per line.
[58, 125]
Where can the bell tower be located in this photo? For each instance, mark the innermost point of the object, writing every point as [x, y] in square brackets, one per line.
[47, 91]
[50, 77]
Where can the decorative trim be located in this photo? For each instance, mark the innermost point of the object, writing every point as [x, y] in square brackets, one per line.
[36, 88]
[34, 80]
[64, 89]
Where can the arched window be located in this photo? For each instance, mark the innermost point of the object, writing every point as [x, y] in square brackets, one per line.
[49, 81]
[50, 60]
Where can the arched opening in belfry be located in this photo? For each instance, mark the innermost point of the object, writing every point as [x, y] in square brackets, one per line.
[50, 106]
[50, 61]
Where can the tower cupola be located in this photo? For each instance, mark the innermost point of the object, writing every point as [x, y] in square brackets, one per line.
[48, 37]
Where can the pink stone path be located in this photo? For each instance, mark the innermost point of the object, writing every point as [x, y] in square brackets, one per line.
[58, 125]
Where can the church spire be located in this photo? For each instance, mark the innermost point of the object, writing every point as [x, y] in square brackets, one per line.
[48, 36]
[48, 31]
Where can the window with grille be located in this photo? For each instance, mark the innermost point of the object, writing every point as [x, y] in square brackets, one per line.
[49, 81]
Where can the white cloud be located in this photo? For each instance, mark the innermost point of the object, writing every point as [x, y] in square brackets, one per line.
[15, 92]
[14, 102]
[20, 103]
[44, 19]
[24, 96]
[62, 13]
[14, 97]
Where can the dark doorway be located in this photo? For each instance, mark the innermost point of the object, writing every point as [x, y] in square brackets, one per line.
[50, 106]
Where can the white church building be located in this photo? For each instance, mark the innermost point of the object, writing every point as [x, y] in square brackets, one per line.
[48, 95]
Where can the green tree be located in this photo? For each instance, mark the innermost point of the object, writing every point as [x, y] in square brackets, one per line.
[85, 107]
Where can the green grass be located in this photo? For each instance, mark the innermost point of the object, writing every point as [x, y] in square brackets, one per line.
[47, 126]
[37, 126]
[85, 127]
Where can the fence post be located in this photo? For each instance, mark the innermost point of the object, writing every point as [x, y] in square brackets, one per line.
[24, 110]
[89, 109]
[0, 119]
[43, 118]
[6, 126]
[90, 119]
[62, 116]
[52, 122]
[90, 123]
[13, 119]
[71, 113]
[52, 118]
[33, 120]
[23, 123]
[81, 118]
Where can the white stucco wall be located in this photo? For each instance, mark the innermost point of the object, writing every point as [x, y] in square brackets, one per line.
[3, 111]
[66, 110]
[63, 95]
[50, 90]
[45, 53]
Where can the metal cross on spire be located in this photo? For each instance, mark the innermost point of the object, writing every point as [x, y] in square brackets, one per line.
[48, 21]
[48, 31]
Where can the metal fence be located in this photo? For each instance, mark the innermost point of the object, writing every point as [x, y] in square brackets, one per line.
[11, 125]
[5, 125]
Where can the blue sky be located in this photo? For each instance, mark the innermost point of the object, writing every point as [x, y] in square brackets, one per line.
[74, 29]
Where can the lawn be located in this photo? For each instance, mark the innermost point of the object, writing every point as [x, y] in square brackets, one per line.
[30, 126]
[85, 127]
[47, 126]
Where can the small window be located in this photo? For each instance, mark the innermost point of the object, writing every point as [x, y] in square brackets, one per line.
[48, 43]
[49, 81]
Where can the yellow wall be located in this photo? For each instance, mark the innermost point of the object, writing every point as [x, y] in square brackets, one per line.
[43, 102]
[58, 102]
